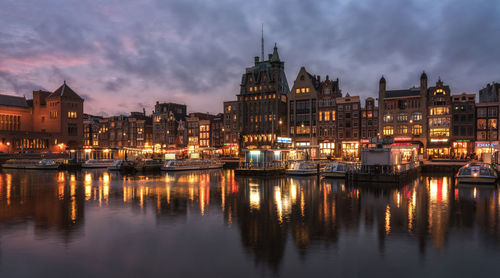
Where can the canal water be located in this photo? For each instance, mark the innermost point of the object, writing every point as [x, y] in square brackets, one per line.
[213, 224]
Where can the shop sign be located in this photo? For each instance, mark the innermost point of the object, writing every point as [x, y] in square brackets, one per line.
[399, 139]
[439, 140]
[486, 145]
[284, 140]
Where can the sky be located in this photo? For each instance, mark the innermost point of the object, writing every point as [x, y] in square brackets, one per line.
[124, 55]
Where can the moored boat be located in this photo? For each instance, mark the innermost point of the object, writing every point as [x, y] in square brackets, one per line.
[149, 165]
[335, 170]
[477, 173]
[98, 163]
[35, 164]
[302, 168]
[117, 164]
[184, 165]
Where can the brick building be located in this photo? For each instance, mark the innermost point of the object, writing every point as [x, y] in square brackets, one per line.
[51, 121]
[463, 111]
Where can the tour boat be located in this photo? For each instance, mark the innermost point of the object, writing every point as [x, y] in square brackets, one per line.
[98, 163]
[335, 170]
[149, 165]
[476, 173]
[43, 164]
[116, 166]
[302, 168]
[182, 165]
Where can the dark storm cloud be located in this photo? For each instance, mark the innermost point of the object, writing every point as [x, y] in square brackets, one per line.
[148, 50]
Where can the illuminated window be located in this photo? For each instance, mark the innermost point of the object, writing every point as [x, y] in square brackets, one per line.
[416, 130]
[481, 124]
[403, 129]
[303, 90]
[333, 115]
[439, 111]
[403, 117]
[492, 123]
[416, 116]
[388, 119]
[297, 91]
[72, 115]
[388, 130]
[439, 92]
[439, 132]
[327, 116]
[53, 114]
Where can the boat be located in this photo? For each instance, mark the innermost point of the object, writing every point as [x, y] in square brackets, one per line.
[184, 165]
[149, 165]
[98, 163]
[38, 164]
[302, 168]
[117, 164]
[477, 173]
[335, 170]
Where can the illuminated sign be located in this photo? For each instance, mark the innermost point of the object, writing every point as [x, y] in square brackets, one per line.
[486, 145]
[365, 141]
[403, 139]
[284, 140]
[439, 140]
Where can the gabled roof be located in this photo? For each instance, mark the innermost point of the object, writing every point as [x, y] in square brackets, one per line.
[13, 101]
[65, 92]
[402, 93]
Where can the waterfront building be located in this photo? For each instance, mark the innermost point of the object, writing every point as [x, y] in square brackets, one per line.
[403, 114]
[217, 131]
[348, 126]
[439, 121]
[369, 123]
[91, 130]
[303, 112]
[231, 129]
[328, 91]
[487, 120]
[51, 121]
[134, 131]
[198, 132]
[262, 102]
[463, 111]
[166, 117]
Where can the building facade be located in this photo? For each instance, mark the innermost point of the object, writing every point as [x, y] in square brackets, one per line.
[403, 114]
[369, 123]
[51, 121]
[262, 103]
[166, 117]
[329, 90]
[439, 121]
[348, 127]
[231, 129]
[463, 111]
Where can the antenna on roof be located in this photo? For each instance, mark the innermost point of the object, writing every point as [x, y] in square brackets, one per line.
[262, 43]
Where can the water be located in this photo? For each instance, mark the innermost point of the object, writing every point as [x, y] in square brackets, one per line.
[213, 224]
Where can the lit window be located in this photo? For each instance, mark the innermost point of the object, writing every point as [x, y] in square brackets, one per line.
[388, 130]
[416, 130]
[72, 115]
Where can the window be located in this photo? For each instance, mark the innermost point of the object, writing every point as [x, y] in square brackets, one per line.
[492, 123]
[72, 115]
[327, 116]
[72, 130]
[492, 111]
[439, 111]
[53, 114]
[416, 130]
[481, 112]
[481, 124]
[403, 117]
[388, 119]
[439, 132]
[416, 116]
[388, 130]
[402, 129]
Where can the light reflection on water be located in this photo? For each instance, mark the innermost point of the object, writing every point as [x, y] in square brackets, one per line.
[276, 226]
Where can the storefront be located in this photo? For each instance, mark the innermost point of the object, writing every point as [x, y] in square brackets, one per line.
[408, 151]
[350, 150]
[461, 149]
[439, 148]
[230, 149]
[327, 149]
[486, 147]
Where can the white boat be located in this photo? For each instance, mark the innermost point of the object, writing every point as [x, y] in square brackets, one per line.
[476, 173]
[302, 168]
[117, 164]
[38, 164]
[335, 170]
[98, 163]
[183, 165]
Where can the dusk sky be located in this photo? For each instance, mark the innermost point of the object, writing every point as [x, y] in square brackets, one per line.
[123, 55]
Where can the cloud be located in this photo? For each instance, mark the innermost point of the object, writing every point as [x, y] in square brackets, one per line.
[195, 51]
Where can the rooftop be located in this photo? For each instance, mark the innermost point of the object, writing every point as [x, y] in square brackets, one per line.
[13, 101]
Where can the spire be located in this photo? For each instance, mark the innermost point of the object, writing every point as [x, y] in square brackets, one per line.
[382, 80]
[423, 76]
[262, 43]
[275, 57]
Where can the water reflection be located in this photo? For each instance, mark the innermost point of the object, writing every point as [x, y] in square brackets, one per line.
[266, 213]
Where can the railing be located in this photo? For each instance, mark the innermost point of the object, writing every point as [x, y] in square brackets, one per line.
[382, 169]
[262, 165]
